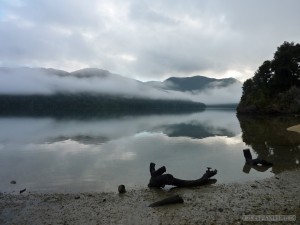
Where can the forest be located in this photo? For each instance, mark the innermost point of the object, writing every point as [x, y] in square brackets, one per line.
[90, 105]
[275, 86]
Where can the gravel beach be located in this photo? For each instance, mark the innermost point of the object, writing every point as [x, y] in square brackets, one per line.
[211, 204]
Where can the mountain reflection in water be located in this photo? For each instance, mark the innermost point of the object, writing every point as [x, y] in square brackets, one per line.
[46, 154]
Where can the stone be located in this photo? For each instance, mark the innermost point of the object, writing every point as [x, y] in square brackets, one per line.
[121, 189]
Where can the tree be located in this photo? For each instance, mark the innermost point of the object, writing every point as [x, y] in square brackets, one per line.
[286, 66]
[263, 75]
[272, 81]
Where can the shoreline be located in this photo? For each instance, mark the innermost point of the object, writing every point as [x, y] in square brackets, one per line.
[295, 128]
[211, 204]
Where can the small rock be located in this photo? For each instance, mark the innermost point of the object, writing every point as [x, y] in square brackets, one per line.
[277, 178]
[121, 189]
[104, 200]
[77, 197]
[13, 182]
[253, 186]
[220, 209]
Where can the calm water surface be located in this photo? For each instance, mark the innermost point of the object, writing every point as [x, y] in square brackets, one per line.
[68, 155]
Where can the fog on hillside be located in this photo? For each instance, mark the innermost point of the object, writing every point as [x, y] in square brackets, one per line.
[38, 81]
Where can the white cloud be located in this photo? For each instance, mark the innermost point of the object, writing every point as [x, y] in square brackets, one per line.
[146, 40]
[40, 81]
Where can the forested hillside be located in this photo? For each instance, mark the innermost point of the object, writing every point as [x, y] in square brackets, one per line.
[87, 105]
[275, 87]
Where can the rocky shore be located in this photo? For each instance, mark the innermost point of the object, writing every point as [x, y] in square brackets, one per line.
[213, 204]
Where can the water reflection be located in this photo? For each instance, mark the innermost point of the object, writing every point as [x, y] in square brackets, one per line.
[269, 138]
[46, 154]
[247, 168]
[98, 131]
[196, 130]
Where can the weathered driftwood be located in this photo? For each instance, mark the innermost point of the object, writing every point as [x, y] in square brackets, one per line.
[158, 179]
[255, 162]
[23, 190]
[167, 201]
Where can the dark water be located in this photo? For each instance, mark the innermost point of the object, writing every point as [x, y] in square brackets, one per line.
[67, 155]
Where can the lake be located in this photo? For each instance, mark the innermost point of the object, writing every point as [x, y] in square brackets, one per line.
[98, 154]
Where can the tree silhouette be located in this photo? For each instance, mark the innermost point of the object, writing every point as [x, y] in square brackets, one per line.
[273, 82]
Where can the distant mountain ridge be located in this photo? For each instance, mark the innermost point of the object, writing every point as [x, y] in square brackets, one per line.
[193, 84]
[82, 73]
[197, 83]
[49, 81]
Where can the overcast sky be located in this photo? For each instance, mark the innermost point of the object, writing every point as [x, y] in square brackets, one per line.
[147, 40]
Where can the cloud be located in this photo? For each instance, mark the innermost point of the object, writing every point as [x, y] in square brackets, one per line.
[27, 81]
[164, 38]
[216, 95]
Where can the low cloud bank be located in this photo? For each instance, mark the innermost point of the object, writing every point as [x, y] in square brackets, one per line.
[29, 81]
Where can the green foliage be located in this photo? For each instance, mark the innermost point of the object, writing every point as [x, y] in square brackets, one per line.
[275, 84]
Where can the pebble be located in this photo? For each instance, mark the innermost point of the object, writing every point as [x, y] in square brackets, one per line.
[13, 182]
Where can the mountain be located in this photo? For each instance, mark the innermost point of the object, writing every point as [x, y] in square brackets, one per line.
[193, 84]
[101, 81]
[196, 83]
[87, 92]
[96, 88]
[82, 73]
[28, 81]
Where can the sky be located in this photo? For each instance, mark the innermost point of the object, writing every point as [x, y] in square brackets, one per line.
[147, 40]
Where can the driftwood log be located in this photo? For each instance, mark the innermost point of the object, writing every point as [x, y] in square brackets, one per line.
[159, 179]
[167, 201]
[23, 190]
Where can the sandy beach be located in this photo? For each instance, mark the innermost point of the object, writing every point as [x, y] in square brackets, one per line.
[212, 204]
